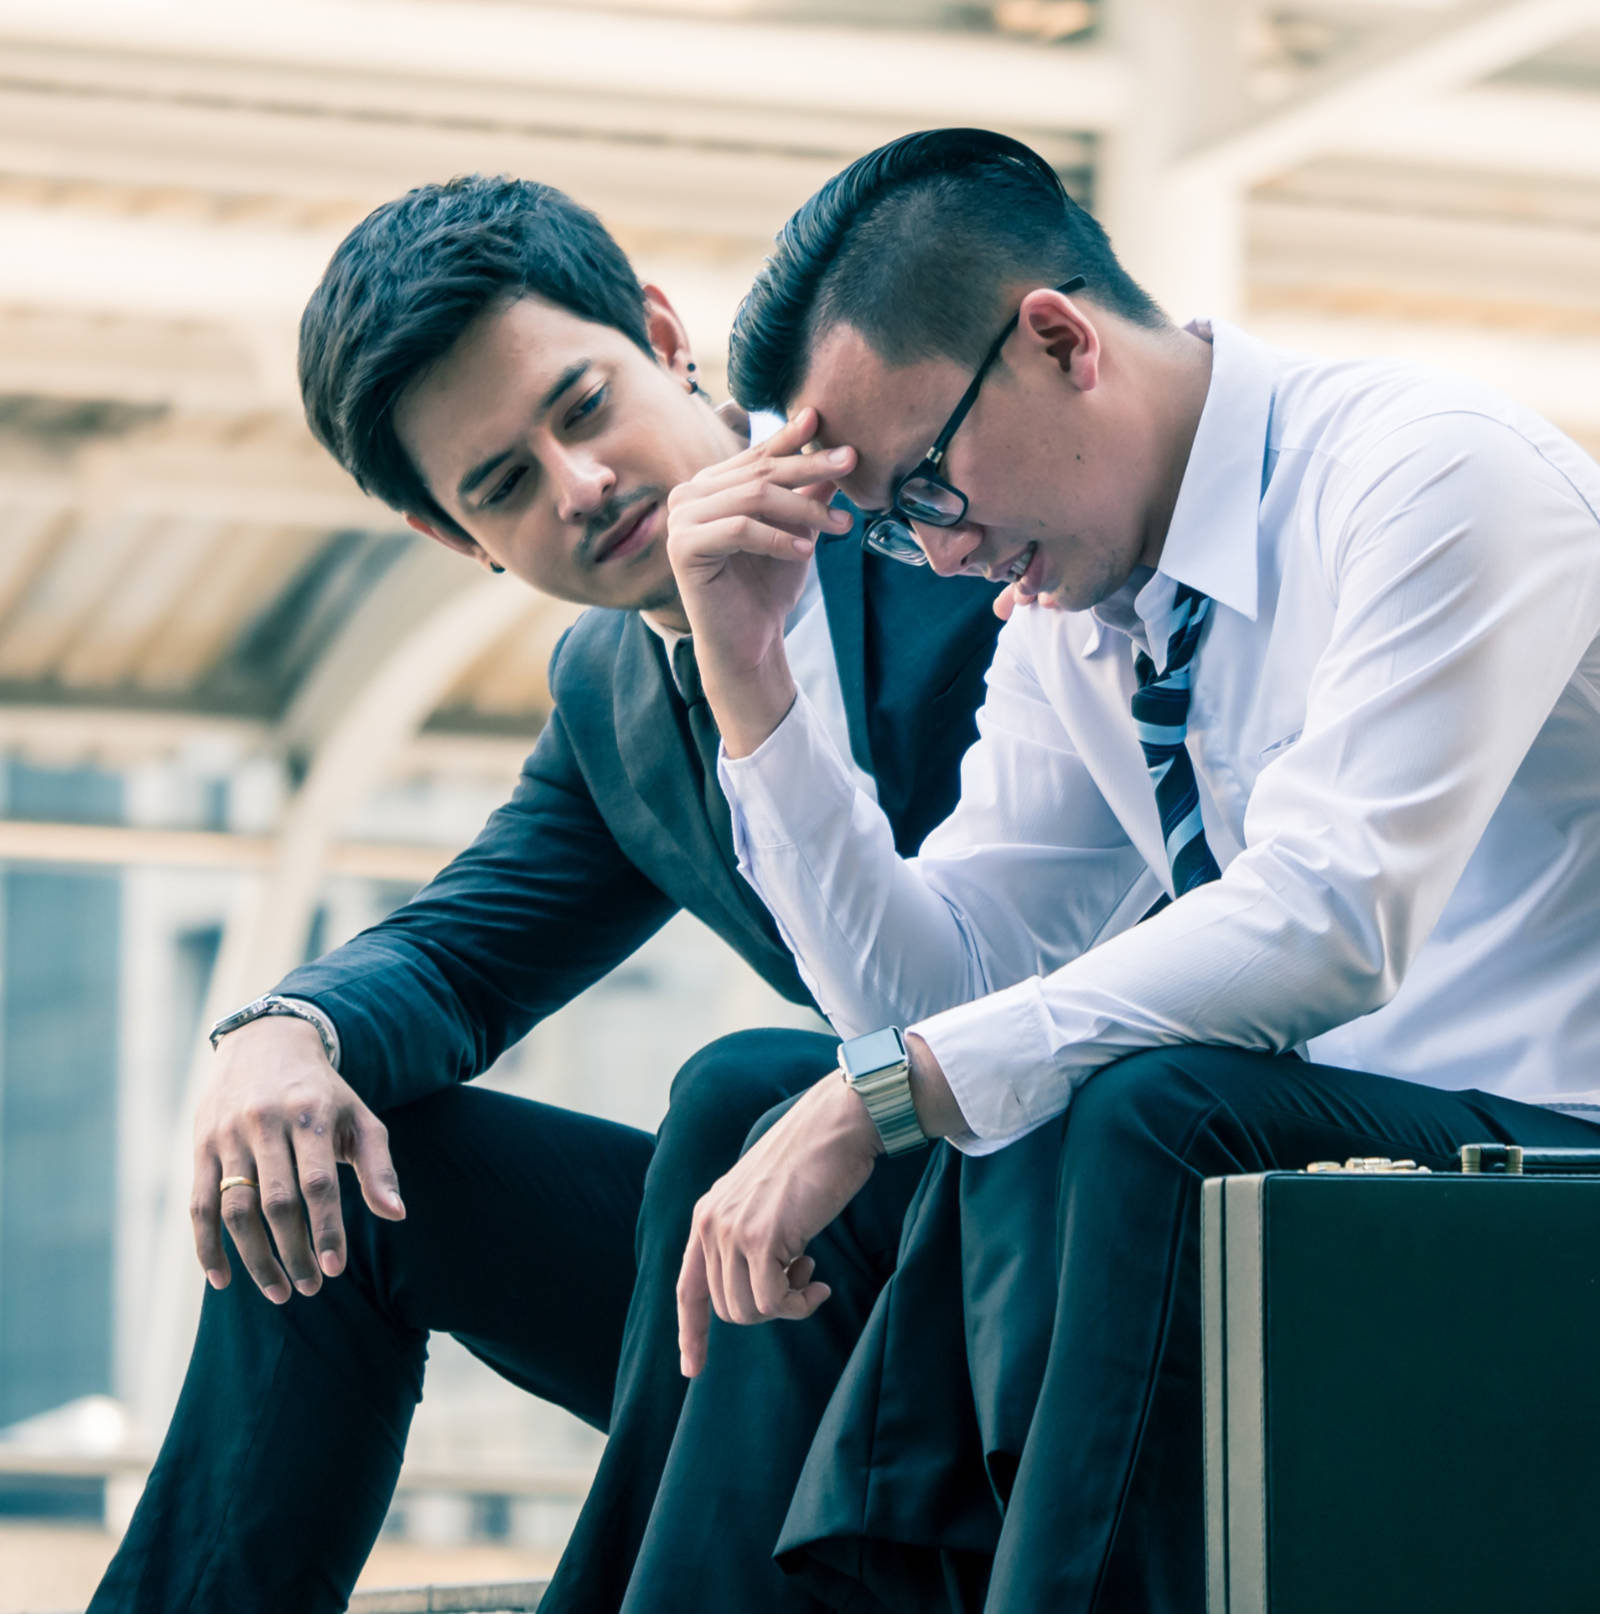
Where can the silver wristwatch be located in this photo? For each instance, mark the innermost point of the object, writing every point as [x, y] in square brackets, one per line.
[877, 1067]
[272, 1003]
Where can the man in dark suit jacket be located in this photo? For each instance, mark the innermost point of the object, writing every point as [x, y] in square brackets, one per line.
[481, 356]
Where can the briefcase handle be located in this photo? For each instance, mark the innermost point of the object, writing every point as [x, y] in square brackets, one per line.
[1515, 1160]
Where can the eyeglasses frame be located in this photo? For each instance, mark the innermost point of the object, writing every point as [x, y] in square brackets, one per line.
[927, 468]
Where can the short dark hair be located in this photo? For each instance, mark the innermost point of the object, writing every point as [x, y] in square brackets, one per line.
[410, 278]
[916, 245]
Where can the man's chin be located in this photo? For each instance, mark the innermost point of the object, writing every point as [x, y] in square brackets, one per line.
[1055, 595]
[662, 597]
[642, 582]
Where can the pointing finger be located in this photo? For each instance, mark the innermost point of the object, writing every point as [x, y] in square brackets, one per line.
[694, 1310]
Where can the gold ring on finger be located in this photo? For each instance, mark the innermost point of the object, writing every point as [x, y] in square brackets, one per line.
[237, 1182]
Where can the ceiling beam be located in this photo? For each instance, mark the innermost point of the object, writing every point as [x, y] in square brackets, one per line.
[772, 67]
[56, 353]
[1540, 272]
[1496, 128]
[61, 93]
[126, 479]
[1553, 375]
[1448, 52]
[59, 258]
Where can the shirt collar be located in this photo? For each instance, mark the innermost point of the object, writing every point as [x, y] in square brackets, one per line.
[1212, 543]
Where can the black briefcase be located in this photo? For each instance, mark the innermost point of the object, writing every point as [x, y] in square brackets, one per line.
[1402, 1387]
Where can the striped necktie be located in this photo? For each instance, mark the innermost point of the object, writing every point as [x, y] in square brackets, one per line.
[1161, 715]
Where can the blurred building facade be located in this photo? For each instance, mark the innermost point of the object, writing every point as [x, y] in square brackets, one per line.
[243, 712]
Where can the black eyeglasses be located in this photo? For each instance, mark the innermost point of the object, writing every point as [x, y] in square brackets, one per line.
[922, 494]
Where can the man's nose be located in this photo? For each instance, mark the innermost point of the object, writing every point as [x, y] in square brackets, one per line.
[582, 483]
[949, 549]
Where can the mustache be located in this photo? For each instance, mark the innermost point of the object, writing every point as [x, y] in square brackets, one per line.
[607, 517]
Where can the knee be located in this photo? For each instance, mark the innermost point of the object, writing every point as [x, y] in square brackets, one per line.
[1157, 1095]
[722, 1067]
[1189, 1102]
[431, 1142]
[730, 1083]
[723, 1091]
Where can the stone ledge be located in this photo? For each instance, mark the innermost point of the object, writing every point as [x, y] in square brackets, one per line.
[495, 1597]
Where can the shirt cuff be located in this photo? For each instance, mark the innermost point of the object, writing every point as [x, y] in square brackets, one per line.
[996, 1055]
[793, 785]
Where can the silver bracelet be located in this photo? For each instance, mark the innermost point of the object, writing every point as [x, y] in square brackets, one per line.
[298, 1008]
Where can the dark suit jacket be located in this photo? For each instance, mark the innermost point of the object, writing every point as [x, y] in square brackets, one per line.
[607, 834]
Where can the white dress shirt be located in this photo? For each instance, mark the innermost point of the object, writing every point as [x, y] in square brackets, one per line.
[1395, 729]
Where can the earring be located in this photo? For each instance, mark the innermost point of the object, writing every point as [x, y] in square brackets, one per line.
[695, 389]
[499, 571]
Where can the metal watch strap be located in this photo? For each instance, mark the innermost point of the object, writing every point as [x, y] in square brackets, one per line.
[297, 1008]
[895, 1117]
[887, 1097]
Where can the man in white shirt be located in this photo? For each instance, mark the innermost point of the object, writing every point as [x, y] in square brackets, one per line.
[1309, 648]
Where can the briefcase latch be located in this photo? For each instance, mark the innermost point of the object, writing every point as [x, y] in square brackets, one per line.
[1371, 1165]
[1489, 1159]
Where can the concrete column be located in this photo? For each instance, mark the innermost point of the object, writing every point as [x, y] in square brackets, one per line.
[375, 687]
[1181, 236]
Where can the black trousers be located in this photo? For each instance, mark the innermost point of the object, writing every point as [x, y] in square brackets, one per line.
[1035, 1446]
[549, 1243]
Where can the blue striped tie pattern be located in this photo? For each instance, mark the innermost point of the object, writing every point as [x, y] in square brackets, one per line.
[1161, 715]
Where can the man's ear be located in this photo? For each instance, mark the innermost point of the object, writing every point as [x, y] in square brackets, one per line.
[451, 539]
[1061, 330]
[667, 335]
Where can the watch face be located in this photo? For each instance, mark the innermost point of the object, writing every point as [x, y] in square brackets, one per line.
[875, 1051]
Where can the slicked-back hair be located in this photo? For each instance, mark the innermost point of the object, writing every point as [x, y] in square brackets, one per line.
[918, 245]
[411, 277]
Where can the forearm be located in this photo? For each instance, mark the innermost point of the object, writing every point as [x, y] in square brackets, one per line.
[422, 1004]
[938, 1112]
[875, 943]
[405, 1028]
[987, 902]
[748, 704]
[1231, 964]
[540, 907]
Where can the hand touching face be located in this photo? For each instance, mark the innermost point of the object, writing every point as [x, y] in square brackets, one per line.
[740, 538]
